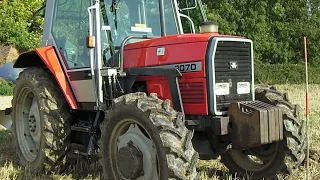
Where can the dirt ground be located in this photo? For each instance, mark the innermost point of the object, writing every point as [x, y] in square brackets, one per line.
[7, 53]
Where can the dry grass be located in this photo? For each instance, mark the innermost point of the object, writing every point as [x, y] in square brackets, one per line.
[212, 170]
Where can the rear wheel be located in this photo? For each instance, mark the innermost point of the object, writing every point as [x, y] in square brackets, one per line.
[270, 159]
[40, 121]
[144, 138]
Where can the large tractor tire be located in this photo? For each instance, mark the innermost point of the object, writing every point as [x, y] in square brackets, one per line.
[280, 157]
[142, 137]
[40, 121]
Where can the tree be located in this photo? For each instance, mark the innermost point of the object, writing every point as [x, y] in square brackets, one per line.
[277, 27]
[18, 26]
[313, 32]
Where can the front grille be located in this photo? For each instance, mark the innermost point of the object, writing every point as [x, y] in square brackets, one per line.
[192, 92]
[227, 52]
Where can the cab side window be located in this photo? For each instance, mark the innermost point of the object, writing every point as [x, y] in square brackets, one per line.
[70, 28]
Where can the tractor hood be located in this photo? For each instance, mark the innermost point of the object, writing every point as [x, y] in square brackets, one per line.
[169, 50]
[175, 39]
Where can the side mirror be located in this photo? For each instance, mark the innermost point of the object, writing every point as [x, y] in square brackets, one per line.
[187, 4]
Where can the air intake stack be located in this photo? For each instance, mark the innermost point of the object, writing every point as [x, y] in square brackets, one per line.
[209, 27]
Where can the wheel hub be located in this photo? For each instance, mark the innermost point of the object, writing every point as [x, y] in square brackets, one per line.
[130, 161]
[136, 155]
[28, 125]
[265, 152]
[255, 159]
[34, 123]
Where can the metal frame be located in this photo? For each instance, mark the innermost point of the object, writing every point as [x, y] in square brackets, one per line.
[162, 18]
[177, 14]
[95, 54]
[202, 10]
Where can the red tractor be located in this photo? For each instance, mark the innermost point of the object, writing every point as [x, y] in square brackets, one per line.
[132, 83]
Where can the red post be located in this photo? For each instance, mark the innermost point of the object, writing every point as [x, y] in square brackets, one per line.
[306, 63]
[307, 104]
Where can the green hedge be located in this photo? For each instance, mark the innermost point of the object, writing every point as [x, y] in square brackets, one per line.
[285, 74]
[6, 88]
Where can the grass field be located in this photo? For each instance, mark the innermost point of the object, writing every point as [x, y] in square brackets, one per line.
[209, 169]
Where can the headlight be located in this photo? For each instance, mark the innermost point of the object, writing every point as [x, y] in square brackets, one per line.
[243, 88]
[222, 89]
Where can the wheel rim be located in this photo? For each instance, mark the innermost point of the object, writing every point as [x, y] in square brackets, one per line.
[129, 133]
[255, 159]
[28, 125]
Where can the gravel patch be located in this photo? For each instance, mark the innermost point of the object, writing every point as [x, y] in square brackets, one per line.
[5, 102]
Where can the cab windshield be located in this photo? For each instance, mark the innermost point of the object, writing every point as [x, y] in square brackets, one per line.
[136, 17]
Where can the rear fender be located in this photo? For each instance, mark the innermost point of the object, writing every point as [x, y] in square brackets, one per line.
[47, 57]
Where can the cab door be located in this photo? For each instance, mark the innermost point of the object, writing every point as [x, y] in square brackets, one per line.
[70, 28]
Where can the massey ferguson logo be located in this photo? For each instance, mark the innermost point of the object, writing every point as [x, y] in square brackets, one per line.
[233, 65]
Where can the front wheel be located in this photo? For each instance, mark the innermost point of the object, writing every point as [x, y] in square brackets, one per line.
[268, 160]
[144, 138]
